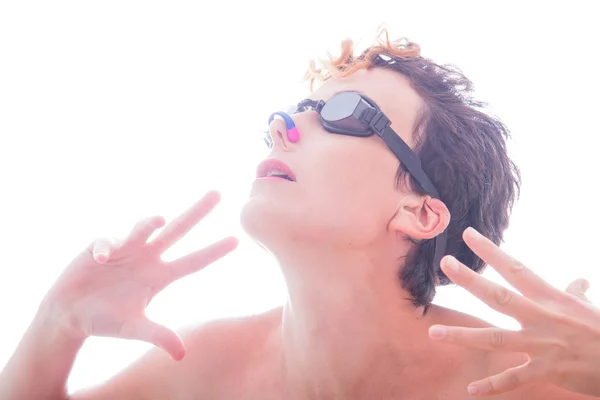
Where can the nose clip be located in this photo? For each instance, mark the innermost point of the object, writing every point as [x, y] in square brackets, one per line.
[292, 131]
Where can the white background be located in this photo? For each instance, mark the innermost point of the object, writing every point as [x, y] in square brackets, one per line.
[116, 110]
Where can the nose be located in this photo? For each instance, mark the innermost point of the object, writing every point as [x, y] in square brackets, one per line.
[277, 127]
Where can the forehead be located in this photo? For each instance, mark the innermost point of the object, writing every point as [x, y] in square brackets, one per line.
[389, 89]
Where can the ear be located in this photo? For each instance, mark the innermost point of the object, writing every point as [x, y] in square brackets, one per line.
[420, 217]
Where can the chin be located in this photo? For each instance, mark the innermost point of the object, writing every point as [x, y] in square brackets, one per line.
[278, 224]
[263, 219]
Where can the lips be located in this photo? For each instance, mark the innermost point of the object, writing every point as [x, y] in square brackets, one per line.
[274, 166]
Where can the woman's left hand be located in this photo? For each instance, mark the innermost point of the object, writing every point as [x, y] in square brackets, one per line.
[560, 330]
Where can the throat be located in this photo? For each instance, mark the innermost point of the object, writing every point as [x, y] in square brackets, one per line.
[349, 330]
[353, 355]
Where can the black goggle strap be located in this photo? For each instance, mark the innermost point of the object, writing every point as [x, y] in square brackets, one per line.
[413, 165]
[410, 160]
[381, 126]
[440, 249]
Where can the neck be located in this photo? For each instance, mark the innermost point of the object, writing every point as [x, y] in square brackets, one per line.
[348, 326]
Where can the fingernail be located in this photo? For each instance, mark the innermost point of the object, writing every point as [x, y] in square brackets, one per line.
[452, 264]
[585, 285]
[157, 223]
[437, 332]
[472, 389]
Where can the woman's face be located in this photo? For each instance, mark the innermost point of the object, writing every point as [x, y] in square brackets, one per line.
[345, 193]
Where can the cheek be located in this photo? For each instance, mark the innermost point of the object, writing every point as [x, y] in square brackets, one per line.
[351, 197]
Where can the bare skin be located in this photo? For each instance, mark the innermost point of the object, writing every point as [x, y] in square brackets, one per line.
[347, 330]
[242, 359]
[238, 358]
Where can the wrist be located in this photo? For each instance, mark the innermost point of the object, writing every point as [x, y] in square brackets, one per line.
[57, 324]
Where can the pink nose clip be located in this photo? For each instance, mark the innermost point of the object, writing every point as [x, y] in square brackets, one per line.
[292, 132]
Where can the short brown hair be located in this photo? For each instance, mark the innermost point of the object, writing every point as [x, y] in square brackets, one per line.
[462, 149]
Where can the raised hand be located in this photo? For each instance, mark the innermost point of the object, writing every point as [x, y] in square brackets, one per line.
[560, 330]
[106, 288]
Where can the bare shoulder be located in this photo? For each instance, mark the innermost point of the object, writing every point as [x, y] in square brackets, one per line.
[217, 353]
[448, 316]
[221, 354]
[468, 363]
[226, 348]
[478, 358]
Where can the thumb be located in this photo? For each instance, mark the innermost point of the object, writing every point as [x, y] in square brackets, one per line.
[160, 336]
[578, 288]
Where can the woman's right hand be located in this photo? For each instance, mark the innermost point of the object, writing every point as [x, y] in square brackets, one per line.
[106, 288]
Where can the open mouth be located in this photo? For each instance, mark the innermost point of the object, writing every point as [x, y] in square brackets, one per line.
[275, 169]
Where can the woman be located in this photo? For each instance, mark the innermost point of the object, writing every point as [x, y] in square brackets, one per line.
[371, 180]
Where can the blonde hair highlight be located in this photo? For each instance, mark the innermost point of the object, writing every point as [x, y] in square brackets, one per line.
[320, 70]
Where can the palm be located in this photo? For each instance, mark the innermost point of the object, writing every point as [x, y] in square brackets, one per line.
[108, 286]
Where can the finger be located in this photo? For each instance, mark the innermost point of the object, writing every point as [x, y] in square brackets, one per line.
[196, 261]
[486, 338]
[181, 225]
[518, 275]
[160, 336]
[494, 295]
[509, 380]
[143, 230]
[578, 288]
[103, 249]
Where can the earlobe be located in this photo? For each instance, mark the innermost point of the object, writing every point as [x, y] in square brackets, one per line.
[421, 217]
